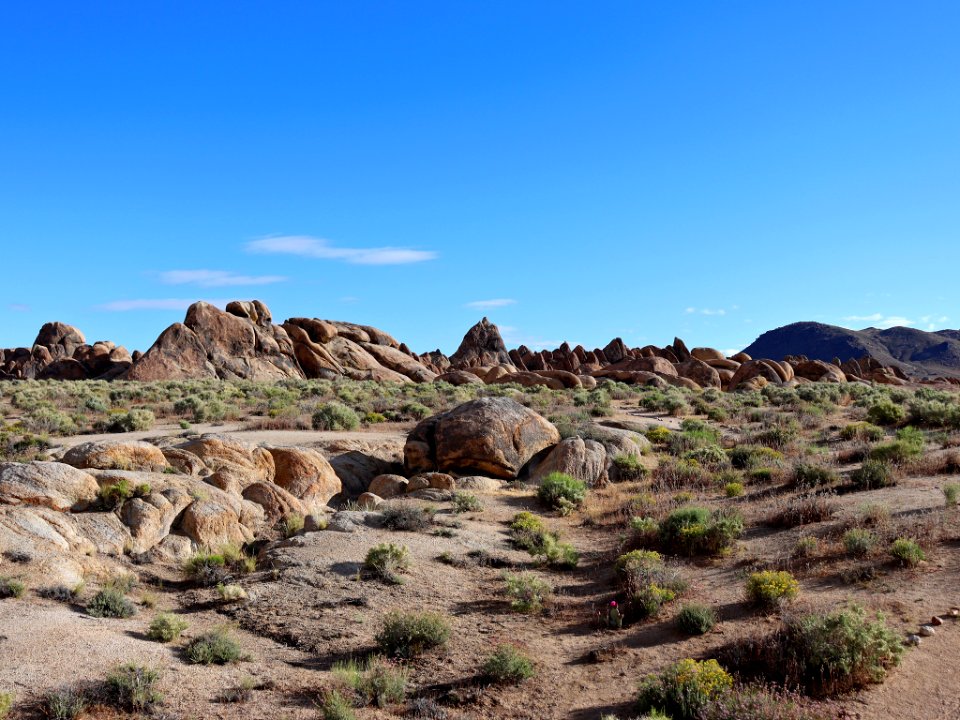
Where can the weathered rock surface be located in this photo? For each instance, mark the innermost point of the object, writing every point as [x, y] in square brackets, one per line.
[492, 436]
[53, 485]
[583, 459]
[116, 455]
[306, 474]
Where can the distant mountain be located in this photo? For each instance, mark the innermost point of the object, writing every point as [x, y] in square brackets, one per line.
[916, 352]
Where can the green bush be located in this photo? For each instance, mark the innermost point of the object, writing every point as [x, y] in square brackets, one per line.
[837, 652]
[886, 412]
[408, 634]
[907, 552]
[751, 457]
[528, 532]
[558, 489]
[861, 431]
[807, 475]
[696, 619]
[909, 444]
[464, 502]
[951, 493]
[215, 647]
[628, 467]
[386, 561]
[378, 681]
[697, 531]
[133, 687]
[507, 665]
[213, 568]
[733, 489]
[334, 706]
[65, 704]
[115, 494]
[11, 588]
[130, 421]
[647, 582]
[527, 592]
[6, 704]
[685, 689]
[110, 603]
[335, 416]
[770, 588]
[658, 435]
[859, 542]
[873, 474]
[166, 627]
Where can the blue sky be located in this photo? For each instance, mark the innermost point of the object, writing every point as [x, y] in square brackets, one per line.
[574, 171]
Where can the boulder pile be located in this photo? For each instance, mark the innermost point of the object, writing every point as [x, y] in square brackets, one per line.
[61, 352]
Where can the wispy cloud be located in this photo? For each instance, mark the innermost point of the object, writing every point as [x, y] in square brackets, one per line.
[705, 311]
[513, 337]
[157, 304]
[311, 247]
[495, 303]
[880, 320]
[934, 322]
[216, 278]
[19, 307]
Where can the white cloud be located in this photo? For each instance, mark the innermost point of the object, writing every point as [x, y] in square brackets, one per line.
[156, 304]
[216, 278]
[311, 247]
[880, 320]
[705, 311]
[19, 307]
[513, 337]
[495, 303]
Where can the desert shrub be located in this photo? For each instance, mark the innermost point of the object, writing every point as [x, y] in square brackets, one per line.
[133, 687]
[464, 502]
[934, 412]
[909, 444]
[873, 474]
[804, 510]
[334, 706]
[684, 689]
[507, 665]
[213, 568]
[416, 410]
[215, 647]
[770, 588]
[750, 702]
[335, 416]
[558, 554]
[733, 489]
[527, 531]
[374, 418]
[130, 421]
[115, 494]
[711, 456]
[47, 421]
[11, 588]
[951, 493]
[805, 546]
[646, 580]
[386, 561]
[886, 412]
[841, 650]
[697, 531]
[527, 592]
[673, 474]
[65, 704]
[110, 602]
[777, 436]
[658, 435]
[628, 467]
[6, 704]
[558, 490]
[808, 475]
[907, 552]
[861, 431]
[166, 627]
[231, 592]
[859, 541]
[403, 516]
[378, 681]
[292, 524]
[408, 634]
[750, 457]
[696, 619]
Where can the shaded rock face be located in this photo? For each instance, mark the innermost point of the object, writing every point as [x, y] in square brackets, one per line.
[583, 459]
[490, 436]
[60, 352]
[482, 345]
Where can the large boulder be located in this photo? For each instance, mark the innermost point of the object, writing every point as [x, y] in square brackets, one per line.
[583, 459]
[53, 485]
[276, 502]
[306, 474]
[248, 463]
[214, 522]
[116, 455]
[61, 339]
[490, 436]
[699, 372]
[459, 377]
[178, 354]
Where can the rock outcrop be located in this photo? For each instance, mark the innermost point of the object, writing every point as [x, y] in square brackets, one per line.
[489, 436]
[481, 346]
